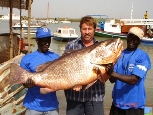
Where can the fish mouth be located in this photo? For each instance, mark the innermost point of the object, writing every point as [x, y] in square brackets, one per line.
[115, 52]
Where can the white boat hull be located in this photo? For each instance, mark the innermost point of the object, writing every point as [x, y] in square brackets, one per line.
[65, 39]
[147, 40]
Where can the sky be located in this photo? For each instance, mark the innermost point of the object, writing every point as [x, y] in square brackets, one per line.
[78, 8]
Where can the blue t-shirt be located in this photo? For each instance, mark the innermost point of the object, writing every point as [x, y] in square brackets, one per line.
[33, 99]
[127, 96]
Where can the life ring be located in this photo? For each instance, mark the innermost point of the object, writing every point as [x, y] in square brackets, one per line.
[122, 23]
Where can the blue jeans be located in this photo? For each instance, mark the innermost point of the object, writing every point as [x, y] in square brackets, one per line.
[84, 108]
[33, 112]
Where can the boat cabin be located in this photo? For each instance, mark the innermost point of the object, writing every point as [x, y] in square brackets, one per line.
[125, 24]
[111, 26]
[66, 31]
[144, 24]
[65, 34]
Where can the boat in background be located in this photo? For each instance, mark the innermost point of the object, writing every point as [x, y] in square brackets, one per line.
[107, 27]
[25, 26]
[110, 29]
[120, 30]
[50, 21]
[65, 34]
[66, 21]
[147, 41]
[7, 17]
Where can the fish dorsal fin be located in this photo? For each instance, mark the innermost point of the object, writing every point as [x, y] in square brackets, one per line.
[43, 66]
[68, 52]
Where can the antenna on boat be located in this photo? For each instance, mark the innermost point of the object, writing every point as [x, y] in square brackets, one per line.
[131, 10]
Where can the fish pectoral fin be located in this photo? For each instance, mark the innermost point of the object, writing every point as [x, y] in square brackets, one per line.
[101, 74]
[103, 78]
[89, 85]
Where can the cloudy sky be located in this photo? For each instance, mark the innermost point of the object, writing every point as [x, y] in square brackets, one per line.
[78, 8]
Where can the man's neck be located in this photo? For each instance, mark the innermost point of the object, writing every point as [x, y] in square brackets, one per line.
[88, 43]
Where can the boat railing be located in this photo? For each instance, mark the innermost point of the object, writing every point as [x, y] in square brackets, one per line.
[137, 21]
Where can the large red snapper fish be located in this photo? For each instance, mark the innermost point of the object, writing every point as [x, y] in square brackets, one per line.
[72, 69]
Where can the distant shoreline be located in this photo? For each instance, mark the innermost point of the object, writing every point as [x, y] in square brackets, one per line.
[58, 18]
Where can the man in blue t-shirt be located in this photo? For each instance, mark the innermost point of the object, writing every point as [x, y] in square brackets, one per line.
[35, 102]
[129, 97]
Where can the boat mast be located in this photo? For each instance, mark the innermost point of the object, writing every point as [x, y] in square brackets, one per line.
[131, 10]
[47, 10]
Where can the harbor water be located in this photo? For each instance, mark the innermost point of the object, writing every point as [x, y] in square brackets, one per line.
[59, 47]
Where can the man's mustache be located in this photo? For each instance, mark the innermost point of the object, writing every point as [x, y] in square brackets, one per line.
[87, 35]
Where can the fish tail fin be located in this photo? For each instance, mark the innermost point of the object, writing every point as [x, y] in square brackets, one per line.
[17, 74]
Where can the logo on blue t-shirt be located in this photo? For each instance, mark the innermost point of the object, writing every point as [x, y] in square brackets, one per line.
[142, 67]
[131, 66]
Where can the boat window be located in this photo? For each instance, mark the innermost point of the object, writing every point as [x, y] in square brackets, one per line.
[114, 25]
[71, 31]
[65, 31]
[149, 26]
